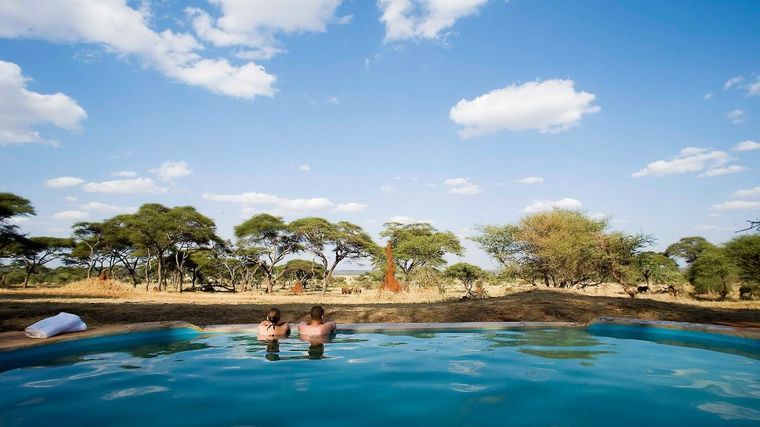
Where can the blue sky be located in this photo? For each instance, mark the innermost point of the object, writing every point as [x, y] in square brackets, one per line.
[415, 110]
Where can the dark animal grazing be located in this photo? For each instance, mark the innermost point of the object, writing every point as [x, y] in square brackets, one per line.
[642, 289]
[349, 291]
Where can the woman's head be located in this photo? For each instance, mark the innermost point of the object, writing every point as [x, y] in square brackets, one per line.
[273, 315]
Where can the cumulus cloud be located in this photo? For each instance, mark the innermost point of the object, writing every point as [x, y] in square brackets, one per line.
[124, 174]
[72, 215]
[749, 192]
[691, 159]
[747, 146]
[63, 181]
[530, 180]
[254, 24]
[723, 171]
[305, 167]
[21, 110]
[546, 205]
[462, 186]
[549, 106]
[753, 89]
[125, 31]
[736, 116]
[103, 207]
[171, 170]
[423, 19]
[733, 82]
[350, 207]
[125, 186]
[737, 204]
[251, 200]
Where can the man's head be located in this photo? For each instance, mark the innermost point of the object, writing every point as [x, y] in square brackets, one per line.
[273, 315]
[317, 312]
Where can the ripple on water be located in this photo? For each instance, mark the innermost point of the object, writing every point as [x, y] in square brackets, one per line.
[729, 411]
[135, 391]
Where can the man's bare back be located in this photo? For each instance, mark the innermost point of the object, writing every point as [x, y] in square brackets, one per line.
[316, 326]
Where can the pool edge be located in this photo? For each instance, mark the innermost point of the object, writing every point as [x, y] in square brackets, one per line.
[16, 340]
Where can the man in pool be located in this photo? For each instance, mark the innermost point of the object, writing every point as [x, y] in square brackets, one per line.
[272, 326]
[316, 326]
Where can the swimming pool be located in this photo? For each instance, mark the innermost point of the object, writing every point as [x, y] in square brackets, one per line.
[602, 375]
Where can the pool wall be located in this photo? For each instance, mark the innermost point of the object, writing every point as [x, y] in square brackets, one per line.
[645, 329]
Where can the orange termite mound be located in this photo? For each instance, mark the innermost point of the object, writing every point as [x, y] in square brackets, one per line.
[389, 282]
[297, 288]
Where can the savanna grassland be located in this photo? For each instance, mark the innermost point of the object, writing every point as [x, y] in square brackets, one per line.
[101, 303]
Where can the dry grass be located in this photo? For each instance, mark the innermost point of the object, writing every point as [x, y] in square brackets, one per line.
[114, 302]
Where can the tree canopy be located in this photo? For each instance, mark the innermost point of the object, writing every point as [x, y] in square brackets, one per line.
[420, 245]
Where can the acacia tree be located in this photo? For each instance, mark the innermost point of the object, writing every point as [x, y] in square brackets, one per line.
[88, 240]
[688, 248]
[338, 242]
[563, 246]
[420, 245]
[11, 206]
[656, 268]
[272, 239]
[467, 274]
[187, 231]
[302, 270]
[35, 252]
[147, 228]
[712, 271]
[744, 251]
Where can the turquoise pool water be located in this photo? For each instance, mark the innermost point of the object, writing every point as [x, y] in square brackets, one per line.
[605, 375]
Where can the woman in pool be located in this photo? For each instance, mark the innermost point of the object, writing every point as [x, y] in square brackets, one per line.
[316, 326]
[272, 326]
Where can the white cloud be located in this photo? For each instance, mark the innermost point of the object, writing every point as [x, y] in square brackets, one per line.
[124, 174]
[750, 192]
[403, 219]
[305, 168]
[103, 207]
[723, 171]
[333, 100]
[736, 116]
[545, 205]
[423, 19]
[747, 146]
[350, 207]
[71, 199]
[708, 95]
[125, 31]
[454, 182]
[732, 82]
[462, 186]
[549, 106]
[737, 204]
[467, 189]
[253, 199]
[72, 215]
[691, 159]
[386, 188]
[17, 220]
[171, 170]
[753, 89]
[21, 110]
[254, 24]
[63, 181]
[125, 186]
[530, 180]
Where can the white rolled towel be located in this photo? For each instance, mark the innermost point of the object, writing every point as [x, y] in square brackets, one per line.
[59, 324]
